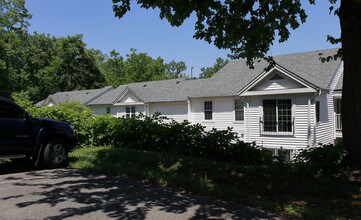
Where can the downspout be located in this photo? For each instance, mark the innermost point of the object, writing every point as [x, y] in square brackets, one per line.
[309, 130]
[189, 109]
[248, 120]
[319, 91]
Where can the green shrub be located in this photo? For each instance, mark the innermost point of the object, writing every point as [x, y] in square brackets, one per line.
[102, 130]
[326, 159]
[155, 133]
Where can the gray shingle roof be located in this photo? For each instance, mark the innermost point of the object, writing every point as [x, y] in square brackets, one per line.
[232, 78]
[339, 83]
[82, 96]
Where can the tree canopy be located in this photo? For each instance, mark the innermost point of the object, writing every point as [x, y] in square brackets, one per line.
[35, 65]
[210, 71]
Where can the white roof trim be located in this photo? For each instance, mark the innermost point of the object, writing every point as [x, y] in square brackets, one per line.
[278, 92]
[47, 101]
[125, 91]
[128, 103]
[282, 70]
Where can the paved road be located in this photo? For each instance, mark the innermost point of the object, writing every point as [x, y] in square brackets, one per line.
[73, 194]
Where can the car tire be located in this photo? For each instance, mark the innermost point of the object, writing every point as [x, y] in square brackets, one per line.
[55, 154]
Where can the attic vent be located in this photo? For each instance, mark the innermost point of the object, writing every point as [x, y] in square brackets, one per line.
[178, 82]
[320, 54]
[87, 93]
[144, 85]
[258, 61]
[275, 77]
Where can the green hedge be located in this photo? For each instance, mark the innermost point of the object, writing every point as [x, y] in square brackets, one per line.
[158, 133]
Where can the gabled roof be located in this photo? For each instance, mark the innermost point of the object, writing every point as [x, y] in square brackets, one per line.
[231, 79]
[82, 96]
[152, 91]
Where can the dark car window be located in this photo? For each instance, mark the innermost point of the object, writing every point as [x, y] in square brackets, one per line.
[9, 111]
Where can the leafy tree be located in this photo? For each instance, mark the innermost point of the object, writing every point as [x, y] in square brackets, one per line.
[113, 69]
[248, 29]
[210, 71]
[175, 69]
[141, 67]
[14, 18]
[13, 15]
[75, 66]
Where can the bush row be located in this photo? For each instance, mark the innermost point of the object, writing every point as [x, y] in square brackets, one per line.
[158, 133]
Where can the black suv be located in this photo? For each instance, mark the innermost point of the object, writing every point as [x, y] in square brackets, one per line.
[23, 137]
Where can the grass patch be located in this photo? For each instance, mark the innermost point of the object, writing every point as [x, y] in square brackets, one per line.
[278, 188]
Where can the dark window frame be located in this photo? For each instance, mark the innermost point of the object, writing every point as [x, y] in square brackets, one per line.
[277, 115]
[208, 110]
[238, 110]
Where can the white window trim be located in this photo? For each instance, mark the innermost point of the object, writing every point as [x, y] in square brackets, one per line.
[130, 114]
[235, 110]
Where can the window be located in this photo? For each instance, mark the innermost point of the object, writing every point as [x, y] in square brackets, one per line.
[277, 115]
[130, 112]
[208, 112]
[317, 111]
[108, 110]
[9, 111]
[286, 154]
[238, 110]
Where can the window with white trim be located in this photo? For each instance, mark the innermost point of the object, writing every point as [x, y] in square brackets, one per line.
[130, 112]
[277, 115]
[238, 110]
[108, 110]
[208, 110]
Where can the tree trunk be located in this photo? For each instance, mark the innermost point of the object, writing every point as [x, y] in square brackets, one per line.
[350, 20]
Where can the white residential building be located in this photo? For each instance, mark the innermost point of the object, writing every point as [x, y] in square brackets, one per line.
[294, 105]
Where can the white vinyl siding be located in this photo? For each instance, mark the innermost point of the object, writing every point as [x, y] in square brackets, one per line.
[325, 127]
[273, 82]
[299, 111]
[223, 114]
[173, 110]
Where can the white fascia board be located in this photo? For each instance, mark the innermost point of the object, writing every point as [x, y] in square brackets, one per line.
[128, 103]
[278, 92]
[284, 71]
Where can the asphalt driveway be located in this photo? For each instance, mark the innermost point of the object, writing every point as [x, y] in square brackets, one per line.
[74, 194]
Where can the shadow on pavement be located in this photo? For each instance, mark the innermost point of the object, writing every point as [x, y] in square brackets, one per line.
[11, 167]
[122, 198]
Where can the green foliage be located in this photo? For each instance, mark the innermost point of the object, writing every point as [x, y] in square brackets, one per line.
[247, 29]
[74, 113]
[13, 15]
[326, 159]
[210, 71]
[139, 67]
[175, 69]
[160, 134]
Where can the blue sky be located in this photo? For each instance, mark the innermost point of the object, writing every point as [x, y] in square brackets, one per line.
[143, 30]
